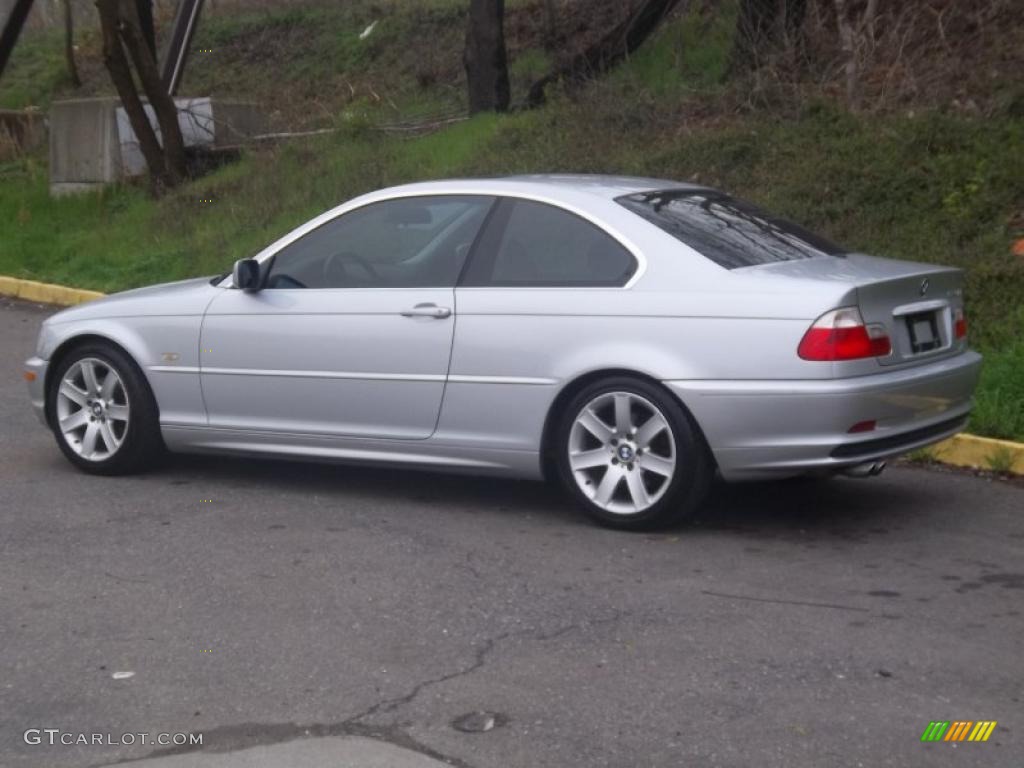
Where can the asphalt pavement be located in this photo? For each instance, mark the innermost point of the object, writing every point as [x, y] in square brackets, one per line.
[280, 608]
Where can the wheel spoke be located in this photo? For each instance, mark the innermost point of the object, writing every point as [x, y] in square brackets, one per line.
[656, 464]
[650, 429]
[623, 416]
[74, 421]
[89, 439]
[606, 489]
[92, 386]
[73, 393]
[107, 434]
[107, 388]
[637, 490]
[593, 424]
[117, 412]
[588, 459]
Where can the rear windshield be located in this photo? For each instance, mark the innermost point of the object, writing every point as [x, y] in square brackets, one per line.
[730, 232]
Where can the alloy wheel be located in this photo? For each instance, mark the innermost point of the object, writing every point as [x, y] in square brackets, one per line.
[92, 409]
[622, 452]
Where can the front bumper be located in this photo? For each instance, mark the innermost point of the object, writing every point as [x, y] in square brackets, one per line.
[37, 387]
[761, 429]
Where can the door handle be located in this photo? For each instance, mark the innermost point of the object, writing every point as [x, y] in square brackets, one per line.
[427, 310]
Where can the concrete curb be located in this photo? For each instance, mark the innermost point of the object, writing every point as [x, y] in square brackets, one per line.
[45, 293]
[961, 450]
[965, 450]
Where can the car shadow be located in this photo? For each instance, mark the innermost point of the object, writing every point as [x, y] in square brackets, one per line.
[844, 508]
[384, 484]
[830, 508]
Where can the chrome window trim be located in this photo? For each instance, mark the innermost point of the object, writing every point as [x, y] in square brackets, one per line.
[641, 261]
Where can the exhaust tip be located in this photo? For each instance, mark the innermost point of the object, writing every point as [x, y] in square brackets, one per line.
[867, 469]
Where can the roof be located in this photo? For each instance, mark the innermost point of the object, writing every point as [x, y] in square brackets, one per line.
[604, 186]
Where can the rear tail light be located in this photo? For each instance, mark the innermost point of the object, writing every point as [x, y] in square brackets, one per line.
[959, 324]
[863, 426]
[842, 335]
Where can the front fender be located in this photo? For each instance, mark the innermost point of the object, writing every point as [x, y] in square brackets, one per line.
[166, 349]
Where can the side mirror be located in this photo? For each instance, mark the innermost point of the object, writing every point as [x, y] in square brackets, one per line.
[246, 275]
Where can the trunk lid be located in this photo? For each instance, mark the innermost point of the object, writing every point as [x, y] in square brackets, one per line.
[915, 302]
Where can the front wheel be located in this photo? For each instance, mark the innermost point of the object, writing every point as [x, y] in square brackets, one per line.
[630, 454]
[102, 412]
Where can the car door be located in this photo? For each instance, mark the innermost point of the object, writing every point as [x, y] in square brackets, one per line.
[541, 299]
[351, 333]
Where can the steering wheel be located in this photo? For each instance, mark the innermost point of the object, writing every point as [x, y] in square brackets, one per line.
[334, 266]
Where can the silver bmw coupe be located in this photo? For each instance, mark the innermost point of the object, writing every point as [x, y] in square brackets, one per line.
[628, 337]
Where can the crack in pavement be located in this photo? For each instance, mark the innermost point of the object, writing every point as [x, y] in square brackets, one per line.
[245, 735]
[390, 705]
[783, 601]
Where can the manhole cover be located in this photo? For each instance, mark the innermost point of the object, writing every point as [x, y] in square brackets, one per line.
[479, 722]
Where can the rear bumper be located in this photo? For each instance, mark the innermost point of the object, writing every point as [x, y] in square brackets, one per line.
[759, 429]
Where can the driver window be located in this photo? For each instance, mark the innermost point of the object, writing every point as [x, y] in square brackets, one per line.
[412, 242]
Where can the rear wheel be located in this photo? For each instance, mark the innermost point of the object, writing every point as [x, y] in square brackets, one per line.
[102, 412]
[629, 453]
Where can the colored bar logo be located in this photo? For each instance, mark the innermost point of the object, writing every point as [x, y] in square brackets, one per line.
[959, 730]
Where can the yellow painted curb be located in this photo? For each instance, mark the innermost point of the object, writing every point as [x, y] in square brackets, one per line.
[965, 450]
[45, 293]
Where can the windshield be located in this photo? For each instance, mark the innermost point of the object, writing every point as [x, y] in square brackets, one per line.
[730, 232]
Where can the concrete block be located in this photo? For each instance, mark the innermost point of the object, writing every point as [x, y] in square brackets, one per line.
[84, 145]
[92, 141]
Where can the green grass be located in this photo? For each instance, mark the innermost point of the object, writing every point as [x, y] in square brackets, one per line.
[999, 411]
[1001, 459]
[304, 62]
[688, 54]
[308, 61]
[932, 187]
[35, 72]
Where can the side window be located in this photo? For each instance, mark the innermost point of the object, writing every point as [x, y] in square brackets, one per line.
[535, 244]
[412, 242]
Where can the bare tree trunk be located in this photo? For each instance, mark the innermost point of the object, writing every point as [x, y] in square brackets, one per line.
[166, 163]
[10, 28]
[120, 73]
[69, 45]
[616, 45]
[144, 8]
[152, 85]
[485, 59]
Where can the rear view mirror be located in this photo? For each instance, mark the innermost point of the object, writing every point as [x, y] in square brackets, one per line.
[246, 275]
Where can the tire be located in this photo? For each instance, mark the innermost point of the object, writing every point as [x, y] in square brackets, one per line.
[632, 457]
[103, 426]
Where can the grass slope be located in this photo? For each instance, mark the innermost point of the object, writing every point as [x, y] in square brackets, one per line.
[931, 187]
